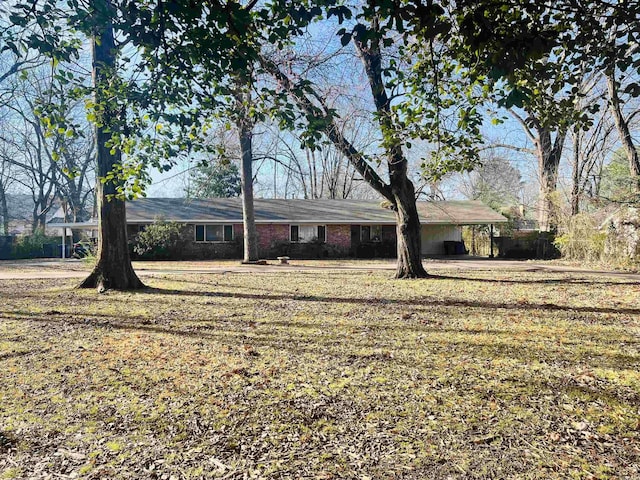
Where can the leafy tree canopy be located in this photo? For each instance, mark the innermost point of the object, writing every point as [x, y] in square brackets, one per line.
[188, 56]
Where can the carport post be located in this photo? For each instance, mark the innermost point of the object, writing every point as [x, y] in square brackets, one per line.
[491, 240]
[64, 235]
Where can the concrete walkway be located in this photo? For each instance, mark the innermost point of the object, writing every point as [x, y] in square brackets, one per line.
[43, 269]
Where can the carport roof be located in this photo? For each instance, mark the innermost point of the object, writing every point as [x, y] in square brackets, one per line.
[299, 211]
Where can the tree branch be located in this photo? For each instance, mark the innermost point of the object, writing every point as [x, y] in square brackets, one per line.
[509, 147]
[331, 129]
[524, 125]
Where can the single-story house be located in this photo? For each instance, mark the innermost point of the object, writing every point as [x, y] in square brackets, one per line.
[302, 228]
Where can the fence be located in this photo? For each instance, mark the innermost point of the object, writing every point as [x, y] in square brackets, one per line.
[477, 241]
[6, 247]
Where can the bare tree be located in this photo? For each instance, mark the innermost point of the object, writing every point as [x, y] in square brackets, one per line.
[30, 152]
[76, 185]
[245, 125]
[495, 182]
[590, 149]
[48, 164]
[324, 172]
[623, 124]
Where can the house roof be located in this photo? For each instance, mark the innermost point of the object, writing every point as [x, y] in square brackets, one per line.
[323, 211]
[229, 210]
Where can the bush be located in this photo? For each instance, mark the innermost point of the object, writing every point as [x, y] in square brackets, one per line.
[384, 249]
[160, 241]
[36, 245]
[581, 239]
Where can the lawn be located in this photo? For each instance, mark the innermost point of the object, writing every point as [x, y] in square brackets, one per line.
[322, 375]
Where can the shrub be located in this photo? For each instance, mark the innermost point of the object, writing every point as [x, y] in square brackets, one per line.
[160, 240]
[36, 245]
[581, 239]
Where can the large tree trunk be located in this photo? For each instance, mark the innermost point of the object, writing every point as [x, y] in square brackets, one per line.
[245, 132]
[409, 263]
[549, 154]
[623, 130]
[402, 191]
[4, 210]
[575, 177]
[113, 269]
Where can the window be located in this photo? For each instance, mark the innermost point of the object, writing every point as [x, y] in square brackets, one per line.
[371, 233]
[308, 233]
[214, 233]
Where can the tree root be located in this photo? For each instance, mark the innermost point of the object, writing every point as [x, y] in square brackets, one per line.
[102, 281]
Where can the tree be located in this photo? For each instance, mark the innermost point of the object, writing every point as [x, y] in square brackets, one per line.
[618, 182]
[214, 179]
[113, 266]
[210, 74]
[5, 179]
[76, 188]
[50, 165]
[11, 65]
[420, 63]
[608, 41]
[589, 151]
[495, 182]
[584, 38]
[406, 106]
[325, 172]
[112, 102]
[14, 59]
[623, 123]
[245, 124]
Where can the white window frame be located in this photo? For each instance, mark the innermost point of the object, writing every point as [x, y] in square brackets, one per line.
[306, 225]
[210, 225]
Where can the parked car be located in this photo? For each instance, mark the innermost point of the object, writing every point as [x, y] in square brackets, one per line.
[83, 249]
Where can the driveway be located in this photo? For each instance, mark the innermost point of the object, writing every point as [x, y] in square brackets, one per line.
[57, 268]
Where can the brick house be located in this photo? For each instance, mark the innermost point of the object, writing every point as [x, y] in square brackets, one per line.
[320, 228]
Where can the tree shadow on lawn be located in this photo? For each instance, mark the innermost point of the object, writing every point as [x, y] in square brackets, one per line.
[23, 353]
[333, 345]
[555, 281]
[392, 301]
[341, 276]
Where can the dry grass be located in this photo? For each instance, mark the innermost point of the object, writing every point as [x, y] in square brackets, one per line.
[322, 375]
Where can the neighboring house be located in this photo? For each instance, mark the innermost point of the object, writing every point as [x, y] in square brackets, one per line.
[302, 228]
[21, 208]
[20, 213]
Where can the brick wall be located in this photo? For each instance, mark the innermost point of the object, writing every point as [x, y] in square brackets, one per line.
[339, 236]
[273, 241]
[193, 250]
[270, 237]
[211, 250]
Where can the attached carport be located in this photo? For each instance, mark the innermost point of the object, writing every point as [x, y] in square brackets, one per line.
[67, 229]
[443, 221]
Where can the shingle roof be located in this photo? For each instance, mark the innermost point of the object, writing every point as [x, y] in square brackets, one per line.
[229, 210]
